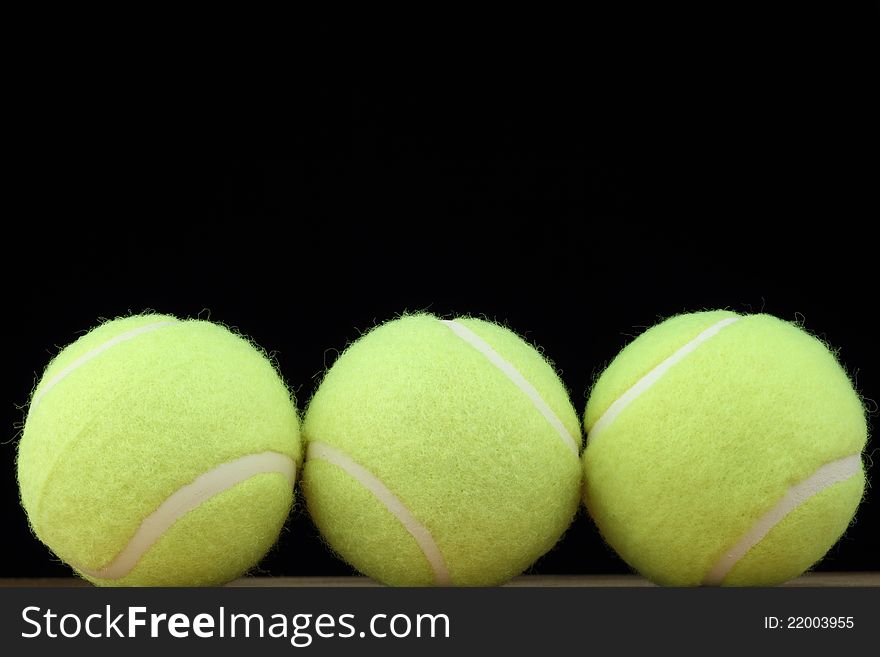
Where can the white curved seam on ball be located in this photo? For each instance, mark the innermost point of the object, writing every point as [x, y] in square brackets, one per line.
[97, 351]
[649, 379]
[188, 497]
[390, 501]
[517, 379]
[827, 475]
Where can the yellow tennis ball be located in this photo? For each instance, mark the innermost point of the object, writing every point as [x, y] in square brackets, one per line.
[723, 449]
[441, 452]
[159, 452]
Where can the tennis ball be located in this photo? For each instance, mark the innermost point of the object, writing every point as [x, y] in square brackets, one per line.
[159, 452]
[441, 452]
[723, 449]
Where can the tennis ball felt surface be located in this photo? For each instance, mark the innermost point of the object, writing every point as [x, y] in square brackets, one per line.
[441, 452]
[723, 449]
[159, 452]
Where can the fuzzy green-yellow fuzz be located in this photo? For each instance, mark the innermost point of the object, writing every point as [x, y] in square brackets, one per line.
[115, 427]
[455, 440]
[690, 465]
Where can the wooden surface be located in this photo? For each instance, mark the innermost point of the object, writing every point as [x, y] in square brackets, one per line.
[811, 579]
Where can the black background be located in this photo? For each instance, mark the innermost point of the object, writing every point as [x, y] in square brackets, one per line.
[575, 217]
